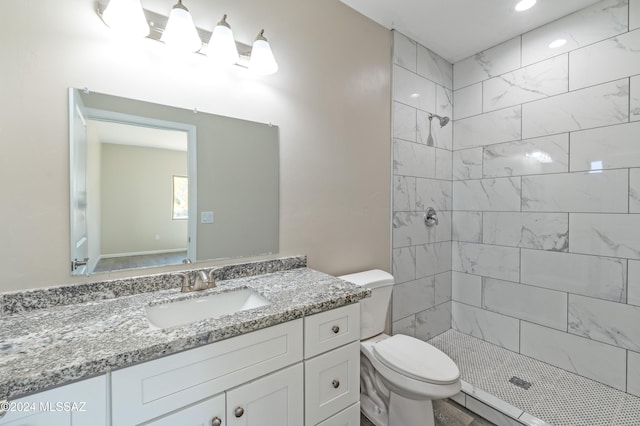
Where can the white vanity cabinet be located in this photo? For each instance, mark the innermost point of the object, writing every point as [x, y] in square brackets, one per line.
[258, 378]
[332, 367]
[301, 372]
[82, 403]
[169, 386]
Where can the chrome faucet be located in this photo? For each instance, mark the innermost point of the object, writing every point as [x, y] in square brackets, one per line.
[202, 281]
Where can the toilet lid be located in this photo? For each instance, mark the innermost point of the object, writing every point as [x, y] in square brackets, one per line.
[416, 359]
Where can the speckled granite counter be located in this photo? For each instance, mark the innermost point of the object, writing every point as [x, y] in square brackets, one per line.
[55, 345]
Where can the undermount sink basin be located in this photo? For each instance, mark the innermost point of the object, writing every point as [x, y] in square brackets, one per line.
[211, 306]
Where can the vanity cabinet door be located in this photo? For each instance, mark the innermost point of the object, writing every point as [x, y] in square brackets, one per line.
[332, 382]
[209, 412]
[79, 404]
[273, 400]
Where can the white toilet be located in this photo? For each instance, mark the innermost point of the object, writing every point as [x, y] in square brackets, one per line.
[399, 375]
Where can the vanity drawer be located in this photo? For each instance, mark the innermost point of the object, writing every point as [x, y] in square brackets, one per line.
[331, 329]
[347, 417]
[332, 382]
[153, 388]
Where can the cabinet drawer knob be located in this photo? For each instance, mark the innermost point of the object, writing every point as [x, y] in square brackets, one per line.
[335, 384]
[216, 421]
[335, 329]
[239, 412]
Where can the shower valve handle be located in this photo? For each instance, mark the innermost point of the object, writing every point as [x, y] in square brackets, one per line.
[430, 217]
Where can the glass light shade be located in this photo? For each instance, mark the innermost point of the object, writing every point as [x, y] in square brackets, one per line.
[262, 61]
[181, 32]
[222, 46]
[126, 17]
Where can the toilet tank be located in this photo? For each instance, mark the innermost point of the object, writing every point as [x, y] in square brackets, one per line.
[373, 310]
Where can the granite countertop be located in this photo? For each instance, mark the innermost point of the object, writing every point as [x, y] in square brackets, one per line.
[56, 345]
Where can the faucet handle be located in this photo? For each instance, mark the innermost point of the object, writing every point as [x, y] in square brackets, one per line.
[186, 281]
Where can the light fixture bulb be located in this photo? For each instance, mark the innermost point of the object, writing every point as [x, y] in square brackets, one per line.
[262, 61]
[181, 32]
[222, 46]
[126, 18]
[525, 5]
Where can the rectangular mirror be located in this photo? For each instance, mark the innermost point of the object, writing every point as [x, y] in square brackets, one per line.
[153, 185]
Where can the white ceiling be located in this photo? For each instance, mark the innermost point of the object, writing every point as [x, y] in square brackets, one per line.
[457, 29]
[148, 137]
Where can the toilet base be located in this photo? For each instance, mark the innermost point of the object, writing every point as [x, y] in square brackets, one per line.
[410, 412]
[402, 411]
[377, 416]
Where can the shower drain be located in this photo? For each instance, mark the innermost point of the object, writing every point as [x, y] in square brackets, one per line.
[521, 383]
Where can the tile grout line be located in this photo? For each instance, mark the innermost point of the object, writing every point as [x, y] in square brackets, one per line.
[626, 377]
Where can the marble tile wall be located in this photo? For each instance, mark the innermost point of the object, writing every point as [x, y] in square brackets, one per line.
[422, 84]
[545, 195]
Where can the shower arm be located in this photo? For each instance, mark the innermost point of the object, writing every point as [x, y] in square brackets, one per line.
[443, 120]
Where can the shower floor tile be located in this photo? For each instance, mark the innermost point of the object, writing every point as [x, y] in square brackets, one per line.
[556, 396]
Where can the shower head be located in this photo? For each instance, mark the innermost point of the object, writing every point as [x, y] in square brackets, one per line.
[443, 120]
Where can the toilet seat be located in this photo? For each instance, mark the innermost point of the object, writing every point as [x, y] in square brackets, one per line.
[408, 356]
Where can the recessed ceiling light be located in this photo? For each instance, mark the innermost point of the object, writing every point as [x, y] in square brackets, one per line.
[525, 4]
[557, 43]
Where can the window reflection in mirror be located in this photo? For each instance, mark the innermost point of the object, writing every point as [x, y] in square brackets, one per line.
[180, 198]
[142, 175]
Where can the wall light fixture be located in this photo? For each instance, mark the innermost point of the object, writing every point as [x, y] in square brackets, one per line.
[222, 46]
[262, 61]
[179, 31]
[126, 17]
